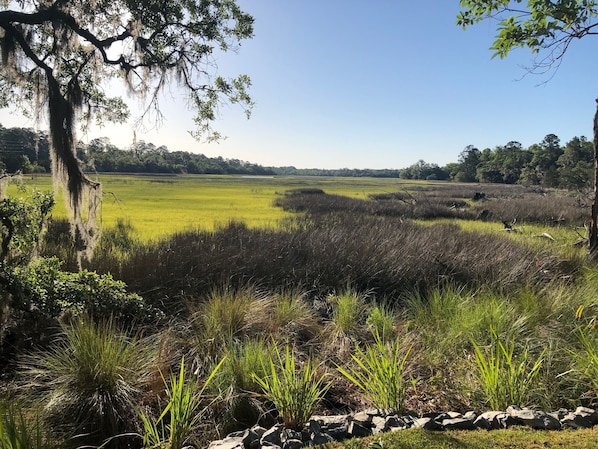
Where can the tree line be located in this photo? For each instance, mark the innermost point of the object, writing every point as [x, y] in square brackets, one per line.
[547, 163]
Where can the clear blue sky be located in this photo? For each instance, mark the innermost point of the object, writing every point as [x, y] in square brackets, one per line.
[378, 84]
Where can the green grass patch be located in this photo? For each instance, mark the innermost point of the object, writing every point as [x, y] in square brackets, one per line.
[496, 439]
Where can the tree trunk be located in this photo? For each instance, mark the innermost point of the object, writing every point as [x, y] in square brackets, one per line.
[593, 232]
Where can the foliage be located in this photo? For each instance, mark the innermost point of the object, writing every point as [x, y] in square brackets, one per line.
[380, 373]
[16, 432]
[181, 415]
[89, 381]
[49, 292]
[506, 378]
[381, 321]
[294, 390]
[22, 221]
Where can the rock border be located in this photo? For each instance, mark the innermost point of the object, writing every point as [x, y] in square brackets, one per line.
[325, 429]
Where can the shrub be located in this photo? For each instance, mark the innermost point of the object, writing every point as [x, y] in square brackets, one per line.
[50, 292]
[293, 390]
[380, 373]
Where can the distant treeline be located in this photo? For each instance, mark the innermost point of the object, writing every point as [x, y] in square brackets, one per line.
[27, 150]
[547, 163]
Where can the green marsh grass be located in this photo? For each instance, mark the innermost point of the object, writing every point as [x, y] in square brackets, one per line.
[182, 414]
[380, 372]
[294, 389]
[506, 377]
[159, 206]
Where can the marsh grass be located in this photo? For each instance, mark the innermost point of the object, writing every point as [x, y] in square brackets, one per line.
[380, 373]
[294, 389]
[381, 321]
[507, 378]
[19, 432]
[183, 412]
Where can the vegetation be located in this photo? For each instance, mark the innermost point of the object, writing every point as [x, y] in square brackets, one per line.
[396, 283]
[547, 163]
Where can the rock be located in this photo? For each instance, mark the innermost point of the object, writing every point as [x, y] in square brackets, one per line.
[535, 419]
[359, 429]
[458, 424]
[427, 423]
[589, 413]
[493, 420]
[272, 436]
[292, 444]
[378, 425]
[228, 443]
[574, 421]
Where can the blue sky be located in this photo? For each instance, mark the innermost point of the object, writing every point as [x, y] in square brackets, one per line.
[378, 84]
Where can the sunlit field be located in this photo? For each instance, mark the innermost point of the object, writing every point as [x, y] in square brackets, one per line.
[158, 206]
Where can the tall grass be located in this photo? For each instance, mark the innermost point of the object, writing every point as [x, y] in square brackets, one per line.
[17, 432]
[294, 390]
[507, 378]
[89, 381]
[380, 373]
[181, 415]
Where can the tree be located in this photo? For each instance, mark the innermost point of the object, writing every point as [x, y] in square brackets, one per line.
[547, 29]
[58, 55]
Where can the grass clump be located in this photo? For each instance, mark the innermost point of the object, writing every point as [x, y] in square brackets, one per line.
[17, 432]
[182, 414]
[507, 378]
[294, 390]
[380, 373]
[90, 380]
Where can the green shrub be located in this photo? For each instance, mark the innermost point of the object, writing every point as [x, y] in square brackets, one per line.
[49, 292]
[380, 373]
[293, 390]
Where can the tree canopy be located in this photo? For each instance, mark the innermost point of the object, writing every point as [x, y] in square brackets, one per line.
[546, 27]
[57, 57]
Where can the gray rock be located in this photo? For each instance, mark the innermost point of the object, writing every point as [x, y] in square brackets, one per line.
[574, 421]
[292, 443]
[272, 436]
[493, 420]
[427, 423]
[228, 443]
[378, 425]
[359, 429]
[458, 424]
[589, 413]
[535, 419]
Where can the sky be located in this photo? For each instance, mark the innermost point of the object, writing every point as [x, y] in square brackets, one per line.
[377, 84]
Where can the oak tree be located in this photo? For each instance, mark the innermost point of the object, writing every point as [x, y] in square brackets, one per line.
[547, 28]
[59, 59]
